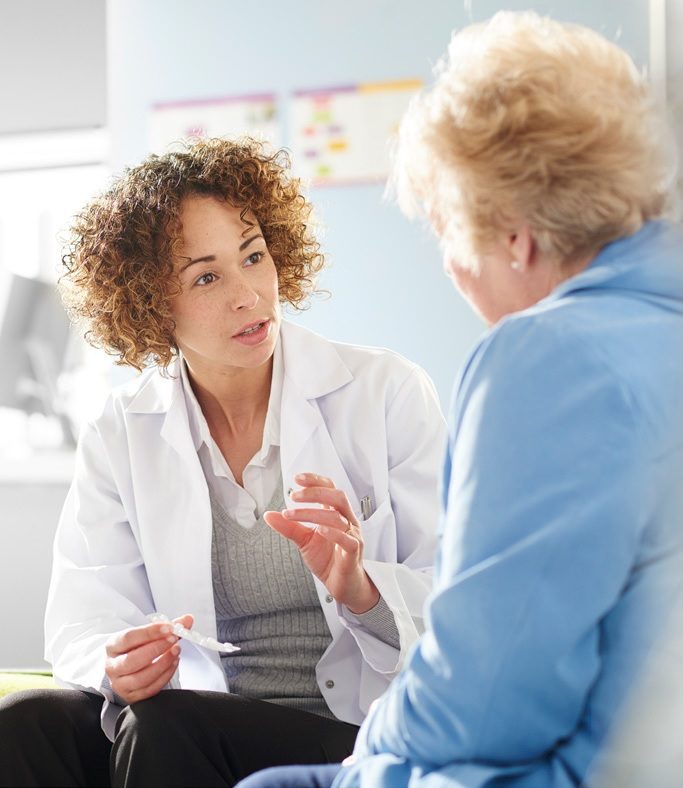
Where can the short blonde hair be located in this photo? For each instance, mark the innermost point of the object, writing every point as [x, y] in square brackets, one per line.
[538, 119]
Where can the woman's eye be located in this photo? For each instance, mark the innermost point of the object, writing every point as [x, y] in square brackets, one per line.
[205, 279]
[254, 257]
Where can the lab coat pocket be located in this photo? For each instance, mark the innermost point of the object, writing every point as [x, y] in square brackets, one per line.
[379, 533]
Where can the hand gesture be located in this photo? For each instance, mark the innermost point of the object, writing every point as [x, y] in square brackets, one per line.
[333, 548]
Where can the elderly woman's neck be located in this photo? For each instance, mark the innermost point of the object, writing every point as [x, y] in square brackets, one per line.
[566, 269]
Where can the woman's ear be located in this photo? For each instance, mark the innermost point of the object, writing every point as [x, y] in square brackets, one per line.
[522, 247]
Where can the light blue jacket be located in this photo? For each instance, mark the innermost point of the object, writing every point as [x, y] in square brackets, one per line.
[560, 550]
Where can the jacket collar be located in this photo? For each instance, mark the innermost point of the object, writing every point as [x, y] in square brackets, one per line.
[648, 263]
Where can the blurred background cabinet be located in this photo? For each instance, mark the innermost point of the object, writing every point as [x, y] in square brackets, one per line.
[31, 496]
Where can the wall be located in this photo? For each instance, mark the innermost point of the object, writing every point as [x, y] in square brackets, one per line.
[386, 277]
[53, 60]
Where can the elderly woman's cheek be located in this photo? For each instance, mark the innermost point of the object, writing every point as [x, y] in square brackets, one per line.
[450, 268]
[460, 277]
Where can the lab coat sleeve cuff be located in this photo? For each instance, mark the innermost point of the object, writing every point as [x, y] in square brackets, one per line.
[378, 621]
[380, 656]
[109, 694]
[404, 591]
[111, 708]
[108, 717]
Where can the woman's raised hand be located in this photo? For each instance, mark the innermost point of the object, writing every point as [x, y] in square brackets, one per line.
[329, 540]
[142, 660]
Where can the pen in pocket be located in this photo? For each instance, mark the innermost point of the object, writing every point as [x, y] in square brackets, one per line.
[366, 508]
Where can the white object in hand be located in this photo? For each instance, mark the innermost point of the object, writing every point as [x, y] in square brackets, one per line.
[190, 634]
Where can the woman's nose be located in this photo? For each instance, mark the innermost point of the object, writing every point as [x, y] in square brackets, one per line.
[241, 295]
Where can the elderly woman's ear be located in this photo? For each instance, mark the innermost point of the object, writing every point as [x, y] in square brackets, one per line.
[521, 247]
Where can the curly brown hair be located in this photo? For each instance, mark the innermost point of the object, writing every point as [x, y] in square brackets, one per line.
[120, 275]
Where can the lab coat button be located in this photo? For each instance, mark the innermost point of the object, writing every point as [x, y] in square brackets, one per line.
[329, 598]
[329, 684]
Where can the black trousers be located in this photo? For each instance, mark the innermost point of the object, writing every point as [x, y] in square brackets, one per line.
[177, 738]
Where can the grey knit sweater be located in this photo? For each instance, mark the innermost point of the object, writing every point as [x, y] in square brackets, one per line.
[266, 603]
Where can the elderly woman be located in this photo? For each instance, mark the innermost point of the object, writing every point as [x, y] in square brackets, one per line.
[538, 158]
[243, 422]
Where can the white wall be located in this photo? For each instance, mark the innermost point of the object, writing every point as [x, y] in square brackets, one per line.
[52, 61]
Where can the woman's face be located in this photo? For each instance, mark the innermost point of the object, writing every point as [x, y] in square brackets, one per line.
[228, 313]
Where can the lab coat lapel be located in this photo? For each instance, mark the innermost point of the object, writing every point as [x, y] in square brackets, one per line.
[192, 516]
[180, 512]
[312, 369]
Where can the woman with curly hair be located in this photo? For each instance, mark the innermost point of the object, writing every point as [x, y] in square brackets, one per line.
[256, 481]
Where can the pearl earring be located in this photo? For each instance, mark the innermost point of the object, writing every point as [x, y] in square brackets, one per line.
[515, 265]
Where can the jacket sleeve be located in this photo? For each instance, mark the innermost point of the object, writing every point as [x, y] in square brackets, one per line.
[545, 494]
[416, 440]
[99, 585]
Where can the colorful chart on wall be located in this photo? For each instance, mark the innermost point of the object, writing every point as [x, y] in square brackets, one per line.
[232, 116]
[340, 135]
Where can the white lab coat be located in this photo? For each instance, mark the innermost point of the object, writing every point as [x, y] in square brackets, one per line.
[135, 532]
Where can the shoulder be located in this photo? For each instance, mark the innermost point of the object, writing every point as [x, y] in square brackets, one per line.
[378, 362]
[546, 344]
[366, 367]
[404, 389]
[148, 392]
[545, 373]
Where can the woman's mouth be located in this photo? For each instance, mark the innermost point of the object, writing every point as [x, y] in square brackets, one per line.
[254, 333]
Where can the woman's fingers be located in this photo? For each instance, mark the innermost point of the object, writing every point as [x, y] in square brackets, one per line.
[142, 660]
[336, 522]
[313, 480]
[334, 532]
[330, 517]
[298, 533]
[328, 496]
[126, 641]
[307, 480]
[150, 680]
[138, 658]
[301, 534]
[347, 541]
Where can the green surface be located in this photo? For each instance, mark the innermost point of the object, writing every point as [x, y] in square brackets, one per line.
[12, 682]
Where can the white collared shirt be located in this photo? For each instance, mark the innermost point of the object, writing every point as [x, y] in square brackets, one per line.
[261, 475]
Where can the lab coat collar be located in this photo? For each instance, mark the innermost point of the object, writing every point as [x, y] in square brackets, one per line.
[311, 362]
[312, 369]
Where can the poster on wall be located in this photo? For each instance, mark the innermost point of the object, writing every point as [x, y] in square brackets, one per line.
[230, 116]
[340, 135]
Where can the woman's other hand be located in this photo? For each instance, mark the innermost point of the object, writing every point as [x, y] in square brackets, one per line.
[142, 660]
[333, 548]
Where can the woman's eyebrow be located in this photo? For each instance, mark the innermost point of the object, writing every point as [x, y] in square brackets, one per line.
[246, 243]
[210, 258]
